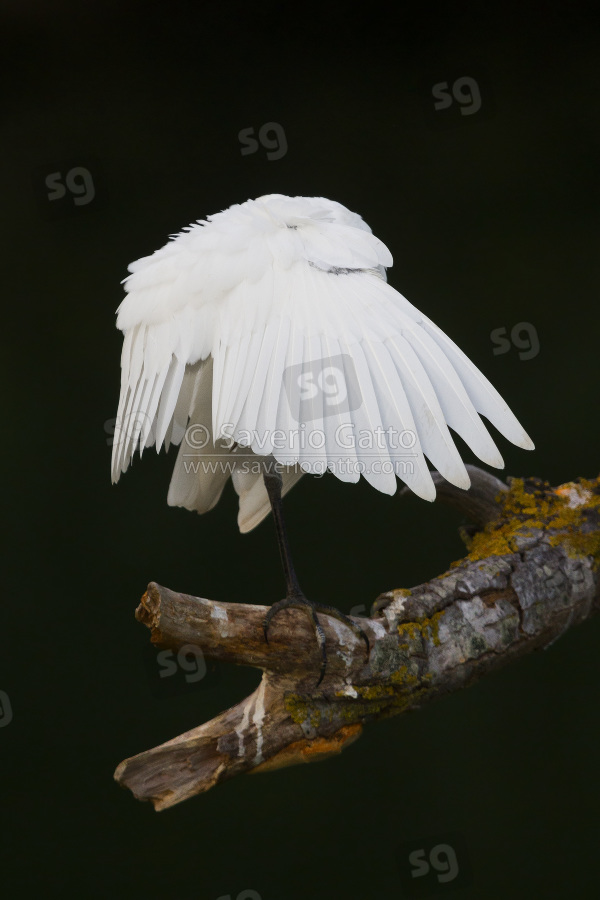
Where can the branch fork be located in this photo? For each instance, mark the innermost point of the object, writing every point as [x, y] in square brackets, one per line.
[530, 574]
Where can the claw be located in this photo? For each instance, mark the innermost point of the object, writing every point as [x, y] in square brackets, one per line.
[300, 602]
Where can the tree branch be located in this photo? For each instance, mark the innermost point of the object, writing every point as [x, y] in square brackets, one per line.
[531, 573]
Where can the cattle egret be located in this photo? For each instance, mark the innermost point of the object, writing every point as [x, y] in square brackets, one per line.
[267, 343]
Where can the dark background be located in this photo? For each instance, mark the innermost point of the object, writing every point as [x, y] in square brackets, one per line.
[492, 218]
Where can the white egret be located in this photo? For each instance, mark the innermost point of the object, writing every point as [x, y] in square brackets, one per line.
[267, 343]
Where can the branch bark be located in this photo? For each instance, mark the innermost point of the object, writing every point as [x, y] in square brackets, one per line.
[531, 573]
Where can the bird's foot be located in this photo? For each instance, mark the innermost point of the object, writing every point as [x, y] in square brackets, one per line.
[299, 601]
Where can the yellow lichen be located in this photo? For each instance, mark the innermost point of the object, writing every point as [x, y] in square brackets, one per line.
[371, 700]
[432, 625]
[423, 627]
[402, 676]
[301, 711]
[409, 629]
[537, 507]
[374, 691]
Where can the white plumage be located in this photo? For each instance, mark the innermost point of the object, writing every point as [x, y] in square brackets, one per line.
[217, 319]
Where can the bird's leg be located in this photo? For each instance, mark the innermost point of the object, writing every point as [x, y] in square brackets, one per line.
[295, 597]
[273, 483]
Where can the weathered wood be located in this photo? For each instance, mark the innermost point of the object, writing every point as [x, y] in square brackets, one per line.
[530, 574]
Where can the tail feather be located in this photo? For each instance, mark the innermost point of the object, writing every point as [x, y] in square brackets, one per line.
[201, 470]
[254, 500]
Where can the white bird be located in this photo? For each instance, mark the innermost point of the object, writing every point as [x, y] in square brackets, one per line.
[267, 343]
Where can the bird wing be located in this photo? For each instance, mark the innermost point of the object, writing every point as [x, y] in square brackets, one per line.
[349, 335]
[272, 327]
[157, 389]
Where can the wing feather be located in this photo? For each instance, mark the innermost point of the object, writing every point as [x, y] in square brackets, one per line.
[337, 425]
[374, 457]
[288, 412]
[168, 399]
[458, 410]
[245, 381]
[483, 395]
[428, 416]
[266, 421]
